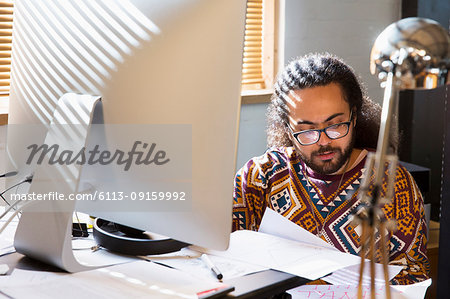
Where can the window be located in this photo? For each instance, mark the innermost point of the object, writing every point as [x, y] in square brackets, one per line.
[258, 58]
[6, 16]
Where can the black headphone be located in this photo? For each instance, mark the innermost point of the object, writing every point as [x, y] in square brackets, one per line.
[126, 240]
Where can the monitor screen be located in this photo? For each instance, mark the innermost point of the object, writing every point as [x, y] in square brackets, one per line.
[168, 75]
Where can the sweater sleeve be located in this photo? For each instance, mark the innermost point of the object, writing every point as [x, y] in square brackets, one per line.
[409, 241]
[250, 196]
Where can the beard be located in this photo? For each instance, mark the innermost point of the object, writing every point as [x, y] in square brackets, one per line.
[340, 157]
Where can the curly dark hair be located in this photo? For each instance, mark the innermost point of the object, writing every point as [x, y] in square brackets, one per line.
[319, 70]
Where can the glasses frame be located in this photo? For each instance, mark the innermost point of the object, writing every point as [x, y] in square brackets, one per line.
[347, 123]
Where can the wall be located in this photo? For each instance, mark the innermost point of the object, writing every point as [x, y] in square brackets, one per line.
[2, 158]
[422, 118]
[347, 28]
[252, 135]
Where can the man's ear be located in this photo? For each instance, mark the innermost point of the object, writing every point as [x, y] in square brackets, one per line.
[355, 116]
[290, 137]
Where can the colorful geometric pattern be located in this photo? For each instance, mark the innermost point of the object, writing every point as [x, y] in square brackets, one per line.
[279, 180]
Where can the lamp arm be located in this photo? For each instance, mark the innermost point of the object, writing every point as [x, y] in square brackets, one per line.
[381, 154]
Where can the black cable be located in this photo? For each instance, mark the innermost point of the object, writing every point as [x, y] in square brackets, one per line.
[8, 174]
[28, 179]
[5, 175]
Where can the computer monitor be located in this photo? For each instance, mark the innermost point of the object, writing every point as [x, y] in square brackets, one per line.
[172, 63]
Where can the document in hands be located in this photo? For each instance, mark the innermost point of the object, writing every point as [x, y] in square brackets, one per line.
[277, 225]
[282, 245]
[301, 259]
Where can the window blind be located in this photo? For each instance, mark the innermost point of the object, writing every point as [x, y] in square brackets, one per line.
[252, 66]
[6, 18]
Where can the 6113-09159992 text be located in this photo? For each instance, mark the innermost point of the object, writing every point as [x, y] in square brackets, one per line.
[106, 196]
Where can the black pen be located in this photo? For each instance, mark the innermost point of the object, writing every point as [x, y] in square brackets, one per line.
[213, 268]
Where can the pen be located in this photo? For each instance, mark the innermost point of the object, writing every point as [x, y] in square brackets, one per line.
[213, 268]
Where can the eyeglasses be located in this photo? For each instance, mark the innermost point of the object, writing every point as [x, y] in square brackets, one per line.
[335, 131]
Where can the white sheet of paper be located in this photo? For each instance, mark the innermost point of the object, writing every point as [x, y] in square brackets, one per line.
[350, 275]
[275, 224]
[19, 277]
[414, 291]
[7, 236]
[99, 258]
[189, 261]
[296, 258]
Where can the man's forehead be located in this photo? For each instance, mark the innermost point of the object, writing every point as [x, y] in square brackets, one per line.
[316, 106]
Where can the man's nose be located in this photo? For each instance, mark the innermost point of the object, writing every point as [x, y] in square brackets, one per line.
[323, 139]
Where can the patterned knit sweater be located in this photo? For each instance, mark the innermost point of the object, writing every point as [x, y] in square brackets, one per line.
[279, 180]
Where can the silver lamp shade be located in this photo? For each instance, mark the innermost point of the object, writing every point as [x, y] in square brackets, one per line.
[416, 50]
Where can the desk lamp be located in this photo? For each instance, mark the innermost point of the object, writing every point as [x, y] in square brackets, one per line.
[413, 53]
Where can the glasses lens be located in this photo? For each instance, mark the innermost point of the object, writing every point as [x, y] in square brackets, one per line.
[308, 137]
[337, 131]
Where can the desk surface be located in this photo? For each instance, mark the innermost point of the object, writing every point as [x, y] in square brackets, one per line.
[257, 285]
[262, 284]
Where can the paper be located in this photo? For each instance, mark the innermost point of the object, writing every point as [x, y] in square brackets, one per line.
[189, 261]
[100, 258]
[336, 292]
[19, 278]
[7, 236]
[275, 224]
[140, 279]
[414, 291]
[289, 256]
[350, 275]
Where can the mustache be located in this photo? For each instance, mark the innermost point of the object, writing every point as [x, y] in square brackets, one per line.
[325, 149]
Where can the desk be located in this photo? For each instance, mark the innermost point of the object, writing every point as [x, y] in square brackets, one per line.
[264, 284]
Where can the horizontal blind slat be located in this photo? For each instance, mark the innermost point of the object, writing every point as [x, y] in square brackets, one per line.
[6, 3]
[253, 54]
[250, 72]
[6, 10]
[5, 32]
[252, 81]
[6, 25]
[6, 18]
[249, 65]
[254, 22]
[252, 44]
[252, 49]
[253, 27]
[5, 39]
[253, 38]
[247, 32]
[254, 5]
[5, 54]
[5, 47]
[246, 60]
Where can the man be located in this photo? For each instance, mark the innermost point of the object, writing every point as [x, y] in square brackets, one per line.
[320, 129]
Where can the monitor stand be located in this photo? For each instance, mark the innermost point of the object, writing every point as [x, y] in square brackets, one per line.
[44, 231]
[126, 240]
